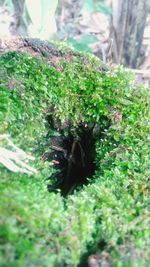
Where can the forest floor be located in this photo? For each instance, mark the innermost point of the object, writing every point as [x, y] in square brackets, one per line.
[75, 25]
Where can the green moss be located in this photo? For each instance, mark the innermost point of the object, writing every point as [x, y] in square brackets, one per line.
[38, 228]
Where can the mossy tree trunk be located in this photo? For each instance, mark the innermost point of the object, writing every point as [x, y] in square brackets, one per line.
[95, 105]
[128, 23]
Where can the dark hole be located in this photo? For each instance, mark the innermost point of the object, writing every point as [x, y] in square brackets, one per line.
[72, 152]
[94, 251]
[73, 160]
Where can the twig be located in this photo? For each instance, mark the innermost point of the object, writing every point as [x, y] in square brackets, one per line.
[138, 71]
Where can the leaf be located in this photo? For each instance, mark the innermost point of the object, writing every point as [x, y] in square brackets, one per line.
[43, 20]
[88, 39]
[78, 45]
[83, 44]
[91, 6]
[9, 4]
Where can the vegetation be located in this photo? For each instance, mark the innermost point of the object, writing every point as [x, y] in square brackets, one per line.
[109, 215]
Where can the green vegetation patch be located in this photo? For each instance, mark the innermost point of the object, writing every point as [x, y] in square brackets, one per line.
[110, 214]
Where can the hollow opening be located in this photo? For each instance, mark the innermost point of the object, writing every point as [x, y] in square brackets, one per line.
[73, 160]
[72, 153]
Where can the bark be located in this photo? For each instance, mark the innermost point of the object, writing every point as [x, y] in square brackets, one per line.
[22, 17]
[128, 23]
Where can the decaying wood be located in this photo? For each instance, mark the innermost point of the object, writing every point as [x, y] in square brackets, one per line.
[36, 47]
[14, 158]
[128, 23]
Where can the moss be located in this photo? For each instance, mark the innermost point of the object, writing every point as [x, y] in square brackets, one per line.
[38, 227]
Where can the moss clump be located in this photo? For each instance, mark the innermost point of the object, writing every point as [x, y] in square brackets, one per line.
[38, 228]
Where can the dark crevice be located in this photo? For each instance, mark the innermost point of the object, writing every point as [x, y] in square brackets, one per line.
[72, 152]
[92, 251]
[73, 159]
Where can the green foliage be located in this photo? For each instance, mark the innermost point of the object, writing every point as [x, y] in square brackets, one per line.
[9, 5]
[83, 44]
[96, 6]
[42, 229]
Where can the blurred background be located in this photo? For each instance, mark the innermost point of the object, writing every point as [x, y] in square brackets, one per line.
[116, 31]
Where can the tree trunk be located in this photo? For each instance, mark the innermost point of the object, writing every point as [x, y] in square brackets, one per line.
[22, 17]
[128, 23]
